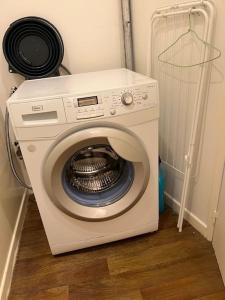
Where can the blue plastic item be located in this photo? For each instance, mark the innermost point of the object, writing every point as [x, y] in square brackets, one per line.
[161, 189]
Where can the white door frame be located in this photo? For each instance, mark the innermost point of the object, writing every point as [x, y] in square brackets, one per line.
[215, 197]
[217, 176]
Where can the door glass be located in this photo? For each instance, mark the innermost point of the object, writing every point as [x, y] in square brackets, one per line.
[97, 176]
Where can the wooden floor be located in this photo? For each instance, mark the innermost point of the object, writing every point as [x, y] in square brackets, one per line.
[164, 265]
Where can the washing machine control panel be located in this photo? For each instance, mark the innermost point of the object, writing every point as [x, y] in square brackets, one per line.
[110, 103]
[84, 107]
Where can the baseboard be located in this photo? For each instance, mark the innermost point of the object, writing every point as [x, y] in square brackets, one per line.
[188, 216]
[13, 249]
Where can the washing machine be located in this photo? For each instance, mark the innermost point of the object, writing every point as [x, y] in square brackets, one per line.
[90, 146]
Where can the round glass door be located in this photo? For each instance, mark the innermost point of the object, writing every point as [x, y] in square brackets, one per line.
[96, 173]
[97, 176]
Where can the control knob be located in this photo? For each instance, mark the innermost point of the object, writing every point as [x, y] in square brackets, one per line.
[127, 98]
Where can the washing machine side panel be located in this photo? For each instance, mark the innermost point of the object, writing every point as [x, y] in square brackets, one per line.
[66, 233]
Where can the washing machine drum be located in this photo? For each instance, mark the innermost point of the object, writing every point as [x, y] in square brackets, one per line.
[96, 178]
[94, 169]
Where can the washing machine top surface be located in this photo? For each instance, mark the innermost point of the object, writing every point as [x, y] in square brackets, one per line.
[41, 107]
[79, 84]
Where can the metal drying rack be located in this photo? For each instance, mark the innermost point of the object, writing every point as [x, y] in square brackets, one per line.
[205, 43]
[205, 9]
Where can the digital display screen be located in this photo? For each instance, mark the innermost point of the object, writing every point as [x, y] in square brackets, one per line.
[87, 101]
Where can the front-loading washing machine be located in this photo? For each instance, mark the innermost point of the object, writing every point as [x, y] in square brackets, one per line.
[90, 146]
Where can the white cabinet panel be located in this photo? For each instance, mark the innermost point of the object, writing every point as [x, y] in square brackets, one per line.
[219, 233]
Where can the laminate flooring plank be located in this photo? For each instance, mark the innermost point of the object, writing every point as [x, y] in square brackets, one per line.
[33, 250]
[186, 288]
[104, 290]
[33, 243]
[158, 256]
[216, 296]
[170, 273]
[28, 279]
[58, 293]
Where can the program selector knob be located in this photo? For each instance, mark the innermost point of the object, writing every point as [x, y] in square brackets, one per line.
[127, 98]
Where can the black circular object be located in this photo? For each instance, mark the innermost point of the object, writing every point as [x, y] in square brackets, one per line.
[33, 47]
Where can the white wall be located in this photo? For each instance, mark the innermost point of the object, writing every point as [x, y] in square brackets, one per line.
[206, 188]
[91, 31]
[92, 35]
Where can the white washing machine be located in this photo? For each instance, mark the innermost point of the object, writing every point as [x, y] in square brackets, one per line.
[90, 146]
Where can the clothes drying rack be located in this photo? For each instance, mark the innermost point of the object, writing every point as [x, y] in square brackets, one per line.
[179, 126]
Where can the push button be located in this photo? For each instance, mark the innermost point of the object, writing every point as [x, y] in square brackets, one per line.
[112, 112]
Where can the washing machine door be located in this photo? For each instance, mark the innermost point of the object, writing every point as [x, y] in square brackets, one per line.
[96, 173]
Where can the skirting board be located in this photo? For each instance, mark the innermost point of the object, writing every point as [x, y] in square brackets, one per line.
[13, 249]
[188, 216]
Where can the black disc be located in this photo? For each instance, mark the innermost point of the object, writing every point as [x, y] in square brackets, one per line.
[33, 47]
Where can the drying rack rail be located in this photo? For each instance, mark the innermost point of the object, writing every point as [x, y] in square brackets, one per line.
[183, 92]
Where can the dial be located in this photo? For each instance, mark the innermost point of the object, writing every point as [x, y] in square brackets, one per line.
[127, 98]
